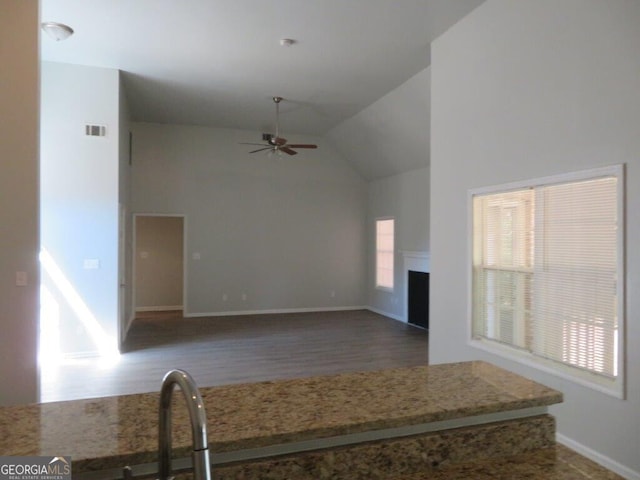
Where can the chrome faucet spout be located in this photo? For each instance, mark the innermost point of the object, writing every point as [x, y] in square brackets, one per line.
[198, 418]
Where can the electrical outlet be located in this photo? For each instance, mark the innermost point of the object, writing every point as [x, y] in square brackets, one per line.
[225, 297]
[244, 297]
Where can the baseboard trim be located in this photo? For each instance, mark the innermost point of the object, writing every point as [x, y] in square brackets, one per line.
[598, 457]
[160, 308]
[271, 311]
[232, 313]
[386, 314]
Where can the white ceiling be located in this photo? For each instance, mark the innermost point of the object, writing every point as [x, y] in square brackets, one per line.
[392, 135]
[219, 62]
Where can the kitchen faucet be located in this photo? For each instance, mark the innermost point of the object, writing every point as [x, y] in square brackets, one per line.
[198, 418]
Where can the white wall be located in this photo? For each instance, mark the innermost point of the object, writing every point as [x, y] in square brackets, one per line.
[523, 90]
[286, 232]
[79, 200]
[405, 197]
[19, 202]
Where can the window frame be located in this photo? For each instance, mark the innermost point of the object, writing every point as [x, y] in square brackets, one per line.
[615, 387]
[393, 252]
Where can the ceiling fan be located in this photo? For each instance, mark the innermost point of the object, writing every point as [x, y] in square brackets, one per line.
[276, 143]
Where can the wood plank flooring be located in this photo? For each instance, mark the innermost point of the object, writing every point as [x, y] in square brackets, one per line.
[239, 349]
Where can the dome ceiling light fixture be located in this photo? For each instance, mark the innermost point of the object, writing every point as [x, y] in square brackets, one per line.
[287, 42]
[57, 31]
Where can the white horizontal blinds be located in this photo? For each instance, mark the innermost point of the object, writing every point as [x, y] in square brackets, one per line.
[575, 319]
[502, 266]
[384, 253]
[545, 271]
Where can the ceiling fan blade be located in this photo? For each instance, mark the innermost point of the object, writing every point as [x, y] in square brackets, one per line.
[286, 149]
[260, 149]
[247, 143]
[278, 141]
[303, 146]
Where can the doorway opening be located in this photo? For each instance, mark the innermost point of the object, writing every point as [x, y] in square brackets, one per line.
[158, 264]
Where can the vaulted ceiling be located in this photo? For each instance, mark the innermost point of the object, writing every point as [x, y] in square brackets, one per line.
[219, 62]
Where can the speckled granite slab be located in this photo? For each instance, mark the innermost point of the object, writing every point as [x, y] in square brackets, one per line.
[403, 456]
[553, 463]
[556, 463]
[116, 431]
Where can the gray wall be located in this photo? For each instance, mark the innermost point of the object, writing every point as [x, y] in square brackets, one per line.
[286, 232]
[524, 90]
[159, 251]
[389, 136]
[79, 185]
[405, 197]
[19, 202]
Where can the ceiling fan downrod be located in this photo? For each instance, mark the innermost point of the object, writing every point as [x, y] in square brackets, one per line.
[277, 101]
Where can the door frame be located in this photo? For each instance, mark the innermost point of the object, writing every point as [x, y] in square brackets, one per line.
[134, 258]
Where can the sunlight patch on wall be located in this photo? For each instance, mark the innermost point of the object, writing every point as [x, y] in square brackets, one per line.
[50, 351]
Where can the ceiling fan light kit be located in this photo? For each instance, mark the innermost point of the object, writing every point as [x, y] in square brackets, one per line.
[275, 143]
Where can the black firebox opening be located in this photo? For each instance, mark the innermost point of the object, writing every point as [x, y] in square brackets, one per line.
[418, 299]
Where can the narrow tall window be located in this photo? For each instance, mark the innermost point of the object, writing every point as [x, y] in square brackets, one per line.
[384, 253]
[547, 273]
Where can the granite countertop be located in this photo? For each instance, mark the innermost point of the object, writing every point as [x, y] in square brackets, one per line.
[557, 463]
[112, 432]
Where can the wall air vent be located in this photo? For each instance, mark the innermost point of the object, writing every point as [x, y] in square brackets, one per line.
[95, 130]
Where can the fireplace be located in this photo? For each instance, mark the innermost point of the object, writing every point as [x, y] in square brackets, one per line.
[418, 299]
[416, 274]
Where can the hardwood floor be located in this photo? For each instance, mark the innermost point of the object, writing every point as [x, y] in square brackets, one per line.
[239, 349]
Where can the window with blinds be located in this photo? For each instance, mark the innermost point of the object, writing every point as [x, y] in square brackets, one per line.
[384, 253]
[547, 273]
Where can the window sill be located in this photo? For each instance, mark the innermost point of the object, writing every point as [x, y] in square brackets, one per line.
[385, 289]
[613, 387]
